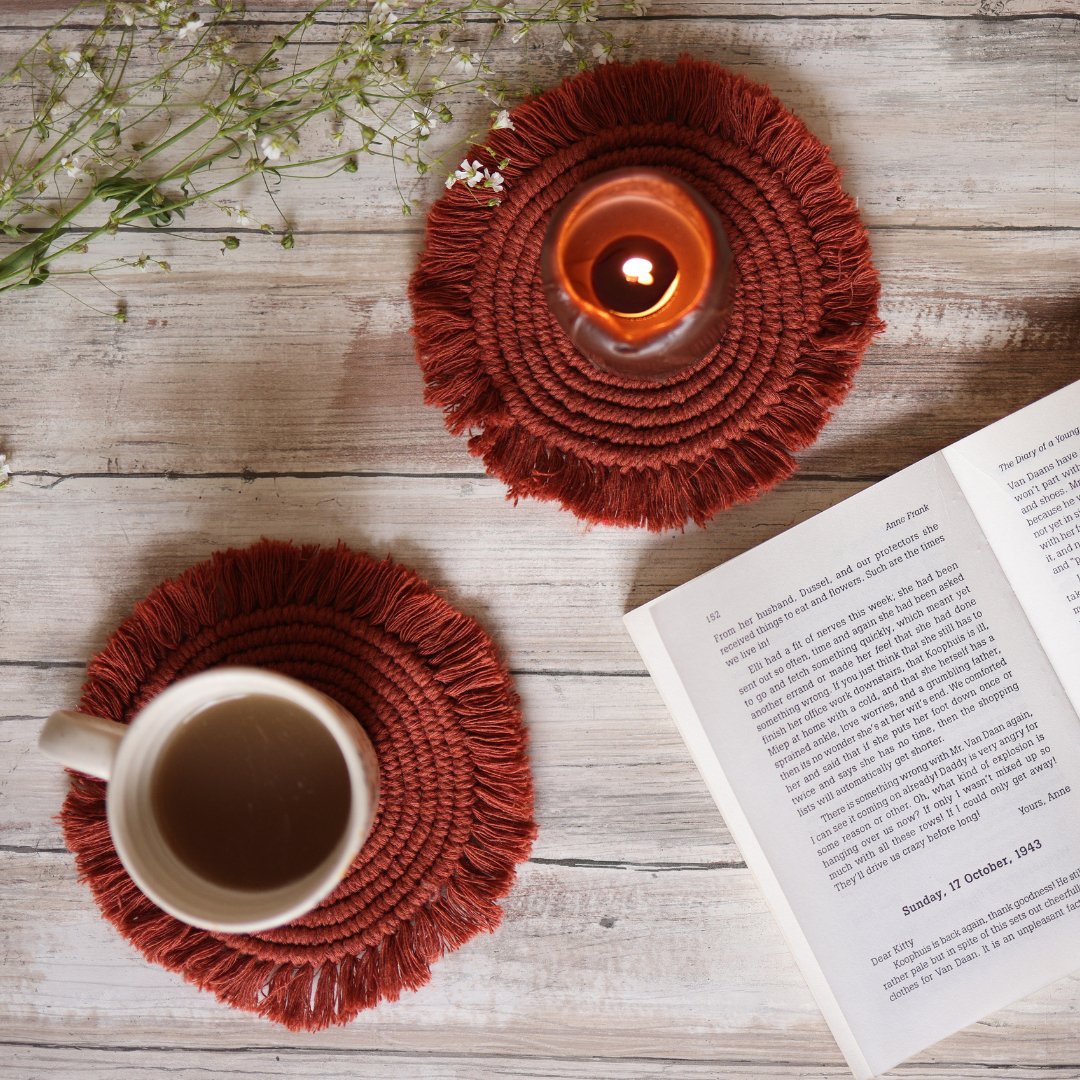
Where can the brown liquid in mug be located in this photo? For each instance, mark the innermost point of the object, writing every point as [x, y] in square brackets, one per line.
[251, 792]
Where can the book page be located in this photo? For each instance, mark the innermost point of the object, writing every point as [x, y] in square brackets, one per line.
[1021, 477]
[873, 714]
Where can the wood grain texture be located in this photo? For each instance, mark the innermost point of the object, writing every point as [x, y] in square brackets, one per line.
[302, 362]
[18, 16]
[590, 961]
[273, 393]
[45, 1063]
[583, 954]
[935, 122]
[559, 611]
[615, 785]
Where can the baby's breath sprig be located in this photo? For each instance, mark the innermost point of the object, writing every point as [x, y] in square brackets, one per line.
[165, 104]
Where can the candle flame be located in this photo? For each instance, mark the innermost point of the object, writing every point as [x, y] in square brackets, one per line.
[638, 271]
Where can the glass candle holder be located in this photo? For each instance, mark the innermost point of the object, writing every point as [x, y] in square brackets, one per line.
[638, 270]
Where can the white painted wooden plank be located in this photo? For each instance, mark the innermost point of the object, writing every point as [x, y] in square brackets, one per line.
[614, 783]
[19, 16]
[78, 554]
[302, 361]
[583, 956]
[924, 115]
[188, 1063]
[589, 961]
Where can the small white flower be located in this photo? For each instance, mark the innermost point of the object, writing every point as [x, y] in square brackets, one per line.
[569, 44]
[243, 214]
[191, 25]
[587, 11]
[435, 42]
[467, 63]
[603, 53]
[424, 120]
[450, 181]
[438, 84]
[382, 13]
[70, 165]
[76, 62]
[220, 50]
[5, 471]
[273, 147]
[126, 12]
[493, 181]
[502, 120]
[638, 7]
[519, 36]
[469, 172]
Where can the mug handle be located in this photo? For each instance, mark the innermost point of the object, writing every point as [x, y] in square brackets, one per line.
[86, 743]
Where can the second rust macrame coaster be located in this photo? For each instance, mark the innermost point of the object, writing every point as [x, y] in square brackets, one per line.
[624, 451]
[455, 806]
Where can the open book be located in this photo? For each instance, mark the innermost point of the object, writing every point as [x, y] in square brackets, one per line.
[885, 704]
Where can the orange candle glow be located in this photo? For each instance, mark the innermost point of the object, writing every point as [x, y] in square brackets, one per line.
[638, 271]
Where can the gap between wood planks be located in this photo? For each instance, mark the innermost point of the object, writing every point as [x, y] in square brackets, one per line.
[418, 232]
[568, 863]
[799, 1068]
[288, 19]
[449, 1055]
[248, 476]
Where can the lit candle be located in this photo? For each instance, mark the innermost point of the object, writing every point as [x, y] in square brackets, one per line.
[638, 272]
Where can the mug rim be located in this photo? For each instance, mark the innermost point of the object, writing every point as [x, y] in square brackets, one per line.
[127, 793]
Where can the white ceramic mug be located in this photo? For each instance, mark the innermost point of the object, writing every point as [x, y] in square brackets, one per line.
[125, 756]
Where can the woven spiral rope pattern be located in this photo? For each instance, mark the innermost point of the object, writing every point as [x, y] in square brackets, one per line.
[455, 810]
[619, 450]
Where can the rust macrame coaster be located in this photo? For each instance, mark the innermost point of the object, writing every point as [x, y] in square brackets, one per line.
[455, 811]
[623, 451]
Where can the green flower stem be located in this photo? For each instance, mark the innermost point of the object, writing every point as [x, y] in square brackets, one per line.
[24, 261]
[112, 225]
